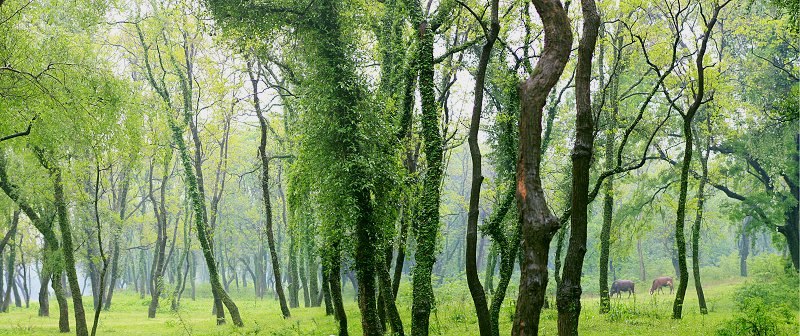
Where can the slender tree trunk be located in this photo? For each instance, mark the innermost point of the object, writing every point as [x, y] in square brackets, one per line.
[642, 270]
[744, 246]
[198, 205]
[12, 253]
[334, 279]
[326, 290]
[262, 152]
[473, 281]
[608, 164]
[537, 224]
[156, 283]
[688, 117]
[696, 233]
[569, 290]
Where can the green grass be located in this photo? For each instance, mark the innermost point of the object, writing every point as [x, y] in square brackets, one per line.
[642, 315]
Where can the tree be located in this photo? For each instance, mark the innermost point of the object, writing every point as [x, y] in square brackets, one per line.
[569, 291]
[537, 224]
[473, 281]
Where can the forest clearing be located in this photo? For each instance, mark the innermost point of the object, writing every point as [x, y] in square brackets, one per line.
[400, 167]
[453, 317]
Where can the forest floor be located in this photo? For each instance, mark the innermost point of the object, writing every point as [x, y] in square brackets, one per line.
[640, 315]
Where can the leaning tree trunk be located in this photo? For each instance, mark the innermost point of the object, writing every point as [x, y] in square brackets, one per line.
[473, 281]
[198, 207]
[537, 223]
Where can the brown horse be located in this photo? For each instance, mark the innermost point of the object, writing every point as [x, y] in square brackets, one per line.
[620, 286]
[660, 282]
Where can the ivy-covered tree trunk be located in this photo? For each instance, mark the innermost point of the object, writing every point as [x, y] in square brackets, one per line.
[698, 286]
[473, 281]
[333, 267]
[537, 224]
[68, 249]
[791, 229]
[294, 283]
[427, 226]
[198, 207]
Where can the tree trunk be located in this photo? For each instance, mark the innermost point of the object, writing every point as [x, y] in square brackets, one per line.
[68, 249]
[156, 283]
[608, 164]
[198, 206]
[744, 246]
[334, 279]
[44, 282]
[473, 281]
[569, 291]
[427, 226]
[262, 152]
[12, 253]
[537, 224]
[696, 232]
[642, 270]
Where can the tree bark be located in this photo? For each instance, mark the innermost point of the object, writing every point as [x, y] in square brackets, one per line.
[67, 246]
[537, 224]
[696, 233]
[569, 291]
[608, 191]
[688, 117]
[158, 265]
[262, 152]
[473, 281]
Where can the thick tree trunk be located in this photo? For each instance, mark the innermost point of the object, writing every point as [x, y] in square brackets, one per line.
[44, 282]
[68, 249]
[537, 224]
[696, 233]
[427, 227]
[473, 281]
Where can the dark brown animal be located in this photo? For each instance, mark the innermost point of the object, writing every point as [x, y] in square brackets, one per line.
[620, 286]
[659, 283]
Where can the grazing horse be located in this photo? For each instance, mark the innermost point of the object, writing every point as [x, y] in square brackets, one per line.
[620, 286]
[661, 282]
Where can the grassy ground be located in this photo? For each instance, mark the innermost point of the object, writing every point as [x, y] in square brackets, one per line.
[642, 315]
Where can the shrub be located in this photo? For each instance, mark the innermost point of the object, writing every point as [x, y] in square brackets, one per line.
[767, 304]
